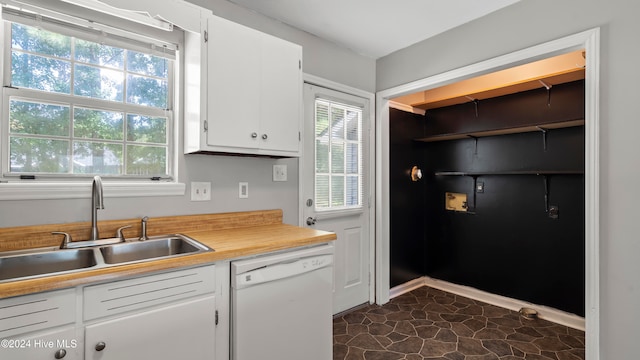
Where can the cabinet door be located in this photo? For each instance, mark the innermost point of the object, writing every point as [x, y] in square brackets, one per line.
[53, 344]
[180, 331]
[281, 85]
[233, 83]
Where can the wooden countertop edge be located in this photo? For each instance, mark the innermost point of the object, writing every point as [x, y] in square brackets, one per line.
[228, 244]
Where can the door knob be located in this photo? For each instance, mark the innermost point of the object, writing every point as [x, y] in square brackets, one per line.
[311, 221]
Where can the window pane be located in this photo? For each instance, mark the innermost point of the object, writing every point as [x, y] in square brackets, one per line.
[322, 157]
[97, 158]
[146, 129]
[322, 119]
[353, 191]
[337, 191]
[145, 64]
[337, 158]
[40, 73]
[38, 119]
[322, 191]
[146, 91]
[353, 165]
[40, 41]
[146, 160]
[337, 123]
[98, 82]
[97, 124]
[98, 54]
[353, 125]
[39, 155]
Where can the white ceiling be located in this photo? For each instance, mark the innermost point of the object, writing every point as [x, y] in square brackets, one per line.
[374, 28]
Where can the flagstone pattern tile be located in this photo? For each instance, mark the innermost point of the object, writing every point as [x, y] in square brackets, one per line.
[429, 324]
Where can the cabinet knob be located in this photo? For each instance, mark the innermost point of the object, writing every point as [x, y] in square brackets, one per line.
[60, 354]
[264, 136]
[100, 346]
[254, 135]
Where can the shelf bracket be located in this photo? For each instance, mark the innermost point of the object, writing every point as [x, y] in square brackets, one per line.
[544, 136]
[548, 87]
[475, 184]
[475, 138]
[546, 193]
[475, 102]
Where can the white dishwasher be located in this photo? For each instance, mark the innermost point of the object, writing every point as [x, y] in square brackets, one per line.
[282, 306]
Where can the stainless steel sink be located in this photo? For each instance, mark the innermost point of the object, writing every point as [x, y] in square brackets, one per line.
[153, 248]
[24, 264]
[45, 263]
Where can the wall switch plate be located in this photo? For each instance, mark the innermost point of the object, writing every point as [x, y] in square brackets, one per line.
[279, 172]
[243, 190]
[200, 191]
[480, 187]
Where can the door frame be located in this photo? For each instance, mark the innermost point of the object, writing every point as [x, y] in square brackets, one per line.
[588, 40]
[371, 125]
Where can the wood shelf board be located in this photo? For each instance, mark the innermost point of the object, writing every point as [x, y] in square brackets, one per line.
[552, 71]
[495, 132]
[503, 89]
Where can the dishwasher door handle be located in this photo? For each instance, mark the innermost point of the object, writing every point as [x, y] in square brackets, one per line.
[281, 270]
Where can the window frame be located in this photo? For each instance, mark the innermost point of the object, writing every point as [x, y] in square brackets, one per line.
[344, 209]
[65, 186]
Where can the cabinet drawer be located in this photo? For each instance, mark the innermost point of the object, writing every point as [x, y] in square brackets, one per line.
[140, 293]
[38, 311]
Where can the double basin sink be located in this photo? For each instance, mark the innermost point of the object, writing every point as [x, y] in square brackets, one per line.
[24, 264]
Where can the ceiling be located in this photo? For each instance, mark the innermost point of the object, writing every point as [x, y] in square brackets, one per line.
[374, 28]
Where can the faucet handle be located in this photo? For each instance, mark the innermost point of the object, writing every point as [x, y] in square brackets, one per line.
[65, 241]
[120, 234]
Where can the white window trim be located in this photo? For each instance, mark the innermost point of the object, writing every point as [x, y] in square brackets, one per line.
[77, 190]
[49, 190]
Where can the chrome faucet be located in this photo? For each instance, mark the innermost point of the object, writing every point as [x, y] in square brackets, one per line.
[97, 202]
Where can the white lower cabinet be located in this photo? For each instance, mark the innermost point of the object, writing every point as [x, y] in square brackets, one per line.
[179, 331]
[180, 314]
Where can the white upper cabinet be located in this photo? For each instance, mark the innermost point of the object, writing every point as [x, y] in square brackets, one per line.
[253, 93]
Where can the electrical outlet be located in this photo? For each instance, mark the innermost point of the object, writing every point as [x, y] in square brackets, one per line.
[279, 172]
[243, 190]
[200, 191]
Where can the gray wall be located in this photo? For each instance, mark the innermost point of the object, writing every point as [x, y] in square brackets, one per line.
[531, 22]
[321, 58]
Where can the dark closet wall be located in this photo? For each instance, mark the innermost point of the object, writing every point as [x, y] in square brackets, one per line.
[505, 243]
[407, 198]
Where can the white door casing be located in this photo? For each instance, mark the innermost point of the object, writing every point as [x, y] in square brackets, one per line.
[353, 263]
[589, 41]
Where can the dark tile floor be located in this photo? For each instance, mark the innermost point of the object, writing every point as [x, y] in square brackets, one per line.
[431, 324]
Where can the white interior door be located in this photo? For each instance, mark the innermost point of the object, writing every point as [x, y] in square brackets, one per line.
[336, 187]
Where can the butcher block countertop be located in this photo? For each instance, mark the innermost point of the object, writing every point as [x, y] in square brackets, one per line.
[231, 235]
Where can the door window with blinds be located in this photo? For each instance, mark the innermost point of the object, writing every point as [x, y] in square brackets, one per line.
[80, 101]
[338, 156]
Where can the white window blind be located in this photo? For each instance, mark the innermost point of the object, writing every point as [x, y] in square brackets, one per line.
[338, 156]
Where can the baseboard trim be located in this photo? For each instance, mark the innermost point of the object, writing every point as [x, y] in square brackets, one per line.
[544, 312]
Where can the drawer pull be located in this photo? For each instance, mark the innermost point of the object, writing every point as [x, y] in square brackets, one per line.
[100, 346]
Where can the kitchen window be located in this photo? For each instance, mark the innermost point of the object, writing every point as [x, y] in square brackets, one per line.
[78, 101]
